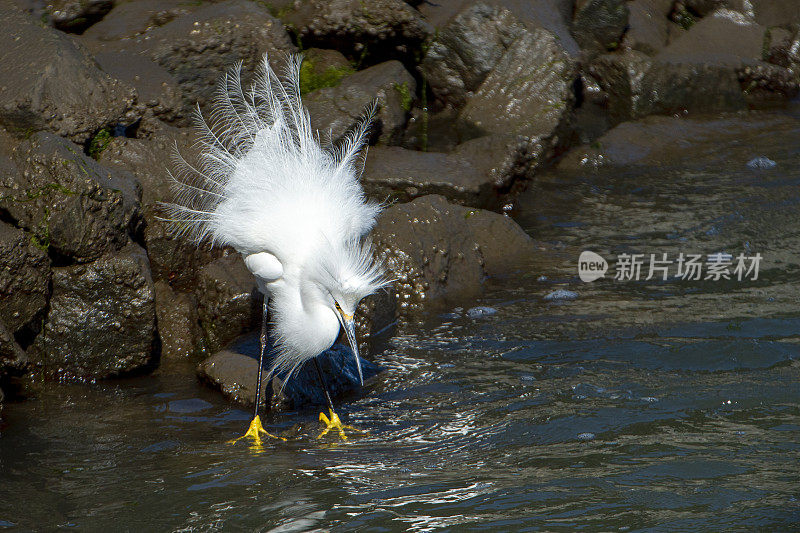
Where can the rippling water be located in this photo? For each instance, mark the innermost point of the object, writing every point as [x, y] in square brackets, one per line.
[669, 405]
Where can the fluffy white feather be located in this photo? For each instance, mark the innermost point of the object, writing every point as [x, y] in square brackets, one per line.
[263, 182]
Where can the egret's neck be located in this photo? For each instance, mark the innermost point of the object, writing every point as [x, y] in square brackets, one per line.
[303, 320]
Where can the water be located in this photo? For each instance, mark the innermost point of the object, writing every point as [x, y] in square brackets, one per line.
[668, 406]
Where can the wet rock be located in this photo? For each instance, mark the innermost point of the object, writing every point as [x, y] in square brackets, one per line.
[24, 278]
[174, 258]
[466, 50]
[73, 206]
[335, 109]
[529, 93]
[397, 174]
[774, 12]
[322, 68]
[57, 87]
[761, 163]
[129, 19]
[12, 357]
[198, 47]
[764, 84]
[637, 85]
[783, 48]
[157, 91]
[101, 321]
[648, 25]
[599, 24]
[440, 251]
[75, 16]
[235, 372]
[561, 295]
[379, 28]
[178, 323]
[228, 299]
[716, 40]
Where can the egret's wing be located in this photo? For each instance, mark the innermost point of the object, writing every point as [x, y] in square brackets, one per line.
[264, 266]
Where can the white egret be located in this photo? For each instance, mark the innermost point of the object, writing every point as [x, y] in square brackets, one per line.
[294, 209]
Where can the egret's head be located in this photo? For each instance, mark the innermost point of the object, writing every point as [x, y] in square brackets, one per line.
[349, 274]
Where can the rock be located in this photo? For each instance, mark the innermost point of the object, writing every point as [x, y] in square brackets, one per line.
[322, 68]
[716, 41]
[478, 173]
[157, 90]
[637, 85]
[561, 295]
[174, 258]
[765, 85]
[129, 19]
[24, 278]
[528, 94]
[648, 26]
[49, 83]
[437, 251]
[197, 48]
[467, 49]
[783, 48]
[397, 174]
[334, 109]
[74, 207]
[12, 356]
[761, 163]
[667, 142]
[74, 16]
[101, 321]
[178, 323]
[235, 372]
[775, 12]
[386, 29]
[599, 24]
[229, 302]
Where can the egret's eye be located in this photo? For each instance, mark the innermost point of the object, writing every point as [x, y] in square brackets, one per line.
[338, 307]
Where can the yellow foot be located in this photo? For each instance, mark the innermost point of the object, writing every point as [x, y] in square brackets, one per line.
[254, 432]
[334, 423]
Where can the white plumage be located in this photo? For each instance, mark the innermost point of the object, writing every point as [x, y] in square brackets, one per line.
[265, 185]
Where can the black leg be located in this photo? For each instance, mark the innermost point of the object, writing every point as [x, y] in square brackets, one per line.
[261, 356]
[324, 385]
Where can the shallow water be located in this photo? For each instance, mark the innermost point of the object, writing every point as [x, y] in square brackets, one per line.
[669, 405]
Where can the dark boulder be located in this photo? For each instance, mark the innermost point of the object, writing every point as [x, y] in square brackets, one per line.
[157, 91]
[12, 357]
[229, 301]
[529, 94]
[375, 29]
[648, 26]
[600, 24]
[438, 251]
[334, 109]
[466, 50]
[178, 323]
[197, 48]
[24, 278]
[75, 16]
[52, 84]
[75, 207]
[235, 372]
[101, 322]
[129, 19]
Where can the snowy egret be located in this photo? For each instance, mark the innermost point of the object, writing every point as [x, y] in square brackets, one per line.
[293, 207]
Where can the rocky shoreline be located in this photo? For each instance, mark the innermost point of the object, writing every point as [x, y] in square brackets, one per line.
[475, 98]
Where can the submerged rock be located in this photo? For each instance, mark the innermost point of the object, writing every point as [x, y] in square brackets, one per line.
[235, 372]
[24, 278]
[49, 83]
[334, 109]
[74, 207]
[761, 163]
[436, 250]
[561, 294]
[101, 322]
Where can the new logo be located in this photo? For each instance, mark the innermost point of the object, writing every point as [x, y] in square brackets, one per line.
[591, 266]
